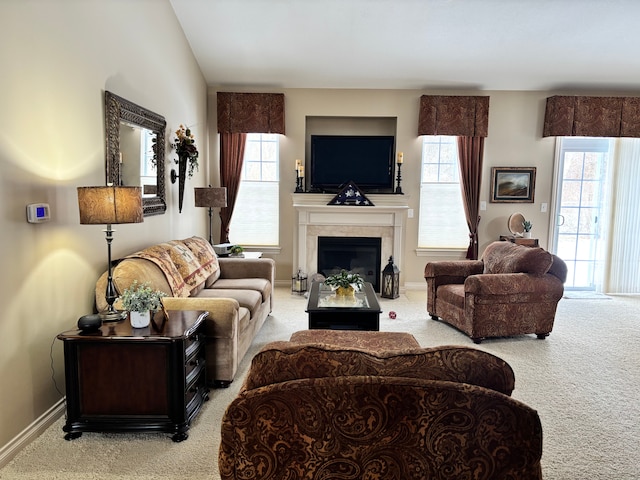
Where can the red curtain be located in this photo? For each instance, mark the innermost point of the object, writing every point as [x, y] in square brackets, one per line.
[231, 159]
[470, 153]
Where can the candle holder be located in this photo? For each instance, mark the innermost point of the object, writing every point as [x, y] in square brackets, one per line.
[299, 181]
[398, 179]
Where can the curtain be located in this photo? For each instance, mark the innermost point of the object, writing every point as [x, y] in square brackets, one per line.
[231, 159]
[470, 153]
[624, 233]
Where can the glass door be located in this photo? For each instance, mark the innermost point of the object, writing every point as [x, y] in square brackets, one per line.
[582, 165]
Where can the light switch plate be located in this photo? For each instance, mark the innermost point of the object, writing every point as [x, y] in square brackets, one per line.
[483, 205]
[543, 207]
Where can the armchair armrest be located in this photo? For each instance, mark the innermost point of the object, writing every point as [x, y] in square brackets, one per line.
[514, 283]
[460, 269]
[455, 267]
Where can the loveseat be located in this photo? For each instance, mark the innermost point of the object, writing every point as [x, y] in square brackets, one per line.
[237, 293]
[511, 290]
[325, 411]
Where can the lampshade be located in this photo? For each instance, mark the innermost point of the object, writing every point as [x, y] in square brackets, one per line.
[211, 197]
[110, 205]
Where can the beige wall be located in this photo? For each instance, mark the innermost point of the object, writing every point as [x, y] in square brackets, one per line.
[57, 60]
[515, 140]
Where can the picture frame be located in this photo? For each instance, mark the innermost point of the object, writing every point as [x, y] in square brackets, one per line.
[513, 184]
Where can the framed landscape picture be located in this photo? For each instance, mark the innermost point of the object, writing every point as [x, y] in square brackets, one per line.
[513, 184]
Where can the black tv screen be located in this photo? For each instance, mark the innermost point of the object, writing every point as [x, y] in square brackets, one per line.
[366, 160]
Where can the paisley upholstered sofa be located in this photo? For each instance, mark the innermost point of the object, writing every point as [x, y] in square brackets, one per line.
[237, 293]
[326, 411]
[511, 290]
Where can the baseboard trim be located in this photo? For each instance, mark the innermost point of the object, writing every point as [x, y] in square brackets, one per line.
[33, 431]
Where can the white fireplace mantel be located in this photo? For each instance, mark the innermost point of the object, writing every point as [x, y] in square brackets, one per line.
[385, 219]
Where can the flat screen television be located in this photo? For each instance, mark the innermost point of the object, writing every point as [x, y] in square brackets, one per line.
[368, 161]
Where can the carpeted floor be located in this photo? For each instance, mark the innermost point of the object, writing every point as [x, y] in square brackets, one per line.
[584, 380]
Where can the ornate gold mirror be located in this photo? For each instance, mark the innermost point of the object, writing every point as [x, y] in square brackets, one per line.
[135, 150]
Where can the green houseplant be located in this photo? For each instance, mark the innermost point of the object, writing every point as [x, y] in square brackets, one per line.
[345, 282]
[139, 300]
[527, 225]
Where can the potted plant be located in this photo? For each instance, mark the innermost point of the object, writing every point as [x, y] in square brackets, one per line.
[345, 283]
[236, 251]
[527, 225]
[139, 300]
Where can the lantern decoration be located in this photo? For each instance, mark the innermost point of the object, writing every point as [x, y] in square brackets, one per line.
[390, 280]
[299, 283]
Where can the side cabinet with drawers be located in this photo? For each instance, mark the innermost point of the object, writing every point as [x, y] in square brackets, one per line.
[124, 379]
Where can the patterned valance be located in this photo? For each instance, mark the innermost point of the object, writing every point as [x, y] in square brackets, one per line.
[250, 112]
[462, 116]
[592, 116]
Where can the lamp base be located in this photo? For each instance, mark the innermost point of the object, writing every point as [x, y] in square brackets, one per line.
[112, 315]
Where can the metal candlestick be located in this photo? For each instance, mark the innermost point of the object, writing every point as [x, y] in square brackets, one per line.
[398, 187]
[299, 180]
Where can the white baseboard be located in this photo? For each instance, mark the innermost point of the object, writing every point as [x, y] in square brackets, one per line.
[32, 432]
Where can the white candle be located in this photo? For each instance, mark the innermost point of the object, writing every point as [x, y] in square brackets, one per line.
[400, 157]
[301, 171]
[298, 163]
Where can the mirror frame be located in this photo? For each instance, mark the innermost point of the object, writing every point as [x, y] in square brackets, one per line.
[118, 109]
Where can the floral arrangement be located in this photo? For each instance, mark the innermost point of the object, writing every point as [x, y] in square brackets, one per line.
[185, 145]
[527, 225]
[141, 298]
[344, 279]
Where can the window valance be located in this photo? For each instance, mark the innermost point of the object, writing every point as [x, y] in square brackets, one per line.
[592, 116]
[464, 116]
[250, 112]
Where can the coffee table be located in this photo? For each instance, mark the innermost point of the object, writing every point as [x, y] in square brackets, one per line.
[328, 311]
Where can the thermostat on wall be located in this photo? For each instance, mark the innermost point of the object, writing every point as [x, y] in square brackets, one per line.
[38, 212]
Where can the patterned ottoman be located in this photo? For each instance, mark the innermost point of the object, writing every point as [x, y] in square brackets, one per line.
[366, 341]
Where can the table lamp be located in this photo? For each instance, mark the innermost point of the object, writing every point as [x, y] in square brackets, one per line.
[211, 197]
[110, 205]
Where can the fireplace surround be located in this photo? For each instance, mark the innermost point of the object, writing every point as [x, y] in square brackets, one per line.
[384, 220]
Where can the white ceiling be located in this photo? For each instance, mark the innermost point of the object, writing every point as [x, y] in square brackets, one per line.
[416, 44]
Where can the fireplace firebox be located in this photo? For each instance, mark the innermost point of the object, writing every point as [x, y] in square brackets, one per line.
[355, 254]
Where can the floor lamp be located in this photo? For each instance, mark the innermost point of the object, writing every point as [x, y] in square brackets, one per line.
[110, 205]
[211, 197]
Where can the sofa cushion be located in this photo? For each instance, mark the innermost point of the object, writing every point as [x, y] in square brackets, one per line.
[452, 294]
[250, 299]
[261, 285]
[507, 257]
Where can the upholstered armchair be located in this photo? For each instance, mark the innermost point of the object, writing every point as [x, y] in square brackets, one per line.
[511, 290]
[322, 411]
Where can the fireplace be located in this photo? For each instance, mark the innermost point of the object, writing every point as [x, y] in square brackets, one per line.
[384, 220]
[355, 254]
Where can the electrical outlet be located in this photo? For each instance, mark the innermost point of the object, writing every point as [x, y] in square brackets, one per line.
[410, 213]
[543, 207]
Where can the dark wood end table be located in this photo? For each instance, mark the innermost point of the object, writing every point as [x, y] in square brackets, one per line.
[124, 379]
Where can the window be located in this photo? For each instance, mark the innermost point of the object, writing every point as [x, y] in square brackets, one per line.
[255, 217]
[442, 222]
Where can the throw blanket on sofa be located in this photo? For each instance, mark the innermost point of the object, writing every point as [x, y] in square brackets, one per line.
[179, 264]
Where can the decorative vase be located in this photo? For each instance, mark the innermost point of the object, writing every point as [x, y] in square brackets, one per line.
[140, 319]
[526, 234]
[346, 291]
